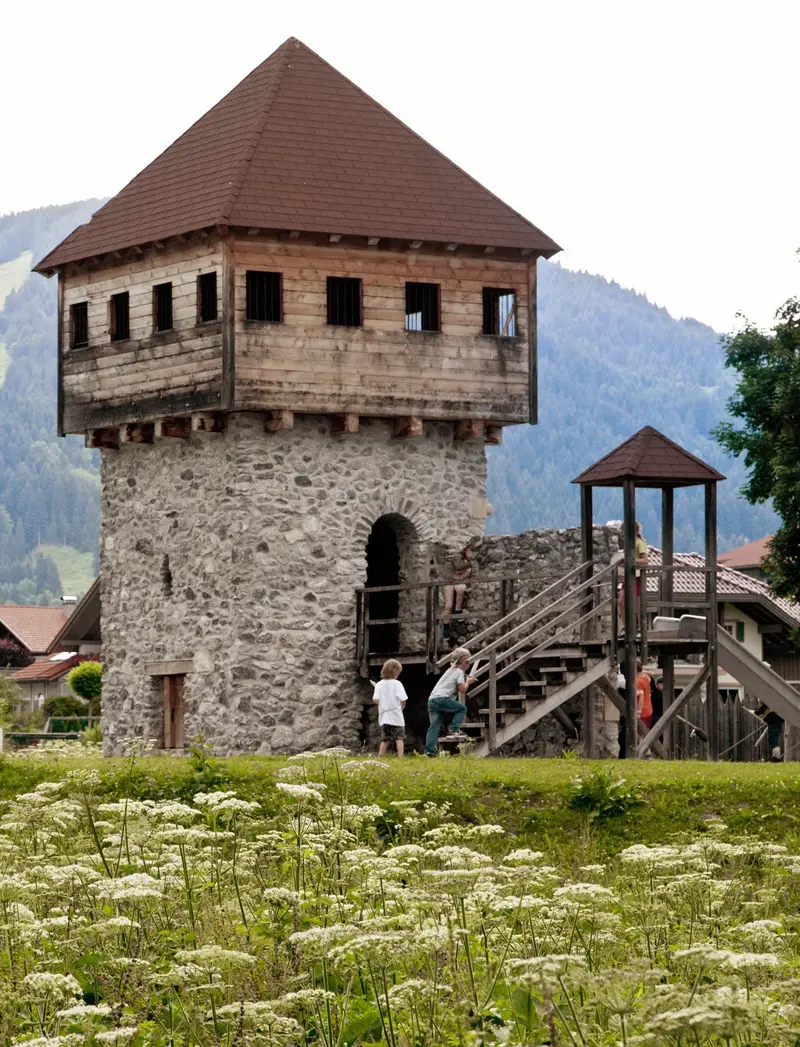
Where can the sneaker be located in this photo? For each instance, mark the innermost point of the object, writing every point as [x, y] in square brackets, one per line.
[458, 736]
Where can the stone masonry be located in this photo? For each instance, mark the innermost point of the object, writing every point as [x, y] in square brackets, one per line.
[241, 552]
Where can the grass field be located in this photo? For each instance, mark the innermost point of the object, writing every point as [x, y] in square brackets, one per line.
[75, 569]
[337, 901]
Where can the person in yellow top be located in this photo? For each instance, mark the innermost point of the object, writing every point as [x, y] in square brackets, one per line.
[642, 560]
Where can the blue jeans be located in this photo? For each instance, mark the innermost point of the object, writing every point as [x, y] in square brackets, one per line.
[437, 706]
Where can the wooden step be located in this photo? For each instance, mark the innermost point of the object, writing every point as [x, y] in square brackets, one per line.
[533, 685]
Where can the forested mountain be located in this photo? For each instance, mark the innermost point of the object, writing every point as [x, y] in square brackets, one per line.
[49, 488]
[610, 362]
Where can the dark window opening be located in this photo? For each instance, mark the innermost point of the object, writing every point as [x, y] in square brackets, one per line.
[207, 297]
[166, 577]
[162, 307]
[79, 325]
[120, 317]
[173, 711]
[263, 297]
[422, 307]
[499, 312]
[344, 301]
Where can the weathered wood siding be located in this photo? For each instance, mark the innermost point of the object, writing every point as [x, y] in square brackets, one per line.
[151, 374]
[303, 364]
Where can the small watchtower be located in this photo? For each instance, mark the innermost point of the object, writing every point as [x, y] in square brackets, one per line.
[291, 336]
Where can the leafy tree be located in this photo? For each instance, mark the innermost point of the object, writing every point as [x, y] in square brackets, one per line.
[767, 403]
[86, 680]
[12, 656]
[10, 697]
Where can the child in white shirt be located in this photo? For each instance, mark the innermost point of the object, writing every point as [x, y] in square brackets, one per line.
[391, 698]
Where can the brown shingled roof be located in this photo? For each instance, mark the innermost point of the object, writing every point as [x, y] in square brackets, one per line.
[296, 145]
[35, 627]
[652, 460]
[48, 668]
[749, 555]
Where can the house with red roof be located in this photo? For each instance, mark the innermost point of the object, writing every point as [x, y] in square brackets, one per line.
[45, 678]
[33, 629]
[748, 558]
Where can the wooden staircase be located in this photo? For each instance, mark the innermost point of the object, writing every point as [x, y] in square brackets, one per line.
[536, 658]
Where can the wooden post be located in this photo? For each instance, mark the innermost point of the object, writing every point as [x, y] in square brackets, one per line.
[492, 739]
[712, 685]
[533, 349]
[587, 554]
[228, 327]
[667, 595]
[60, 431]
[629, 584]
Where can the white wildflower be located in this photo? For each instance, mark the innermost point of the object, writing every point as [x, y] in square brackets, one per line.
[299, 792]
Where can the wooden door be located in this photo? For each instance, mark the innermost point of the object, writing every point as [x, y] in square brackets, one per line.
[173, 712]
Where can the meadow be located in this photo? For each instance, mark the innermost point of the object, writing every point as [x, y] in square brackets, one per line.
[333, 900]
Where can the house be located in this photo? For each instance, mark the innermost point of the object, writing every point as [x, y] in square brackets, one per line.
[81, 631]
[748, 558]
[44, 678]
[291, 337]
[33, 629]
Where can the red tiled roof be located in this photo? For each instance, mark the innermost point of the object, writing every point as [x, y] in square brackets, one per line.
[35, 627]
[652, 460]
[46, 669]
[296, 145]
[749, 555]
[730, 584]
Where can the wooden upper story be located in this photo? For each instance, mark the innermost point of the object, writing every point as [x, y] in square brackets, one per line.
[280, 323]
[298, 249]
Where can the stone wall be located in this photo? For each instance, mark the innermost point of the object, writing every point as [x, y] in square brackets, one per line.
[241, 552]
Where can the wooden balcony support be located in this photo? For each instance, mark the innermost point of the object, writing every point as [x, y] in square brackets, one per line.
[105, 439]
[277, 421]
[408, 426]
[137, 433]
[469, 429]
[208, 423]
[173, 428]
[344, 424]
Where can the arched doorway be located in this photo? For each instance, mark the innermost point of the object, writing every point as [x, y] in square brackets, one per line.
[383, 568]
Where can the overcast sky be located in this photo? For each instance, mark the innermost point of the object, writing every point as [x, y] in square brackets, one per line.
[657, 142]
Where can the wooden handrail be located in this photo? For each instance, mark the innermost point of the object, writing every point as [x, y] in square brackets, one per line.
[484, 651]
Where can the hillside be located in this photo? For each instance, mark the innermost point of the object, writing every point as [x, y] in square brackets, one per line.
[610, 362]
[49, 489]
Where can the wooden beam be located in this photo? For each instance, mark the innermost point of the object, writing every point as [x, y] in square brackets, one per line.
[408, 426]
[344, 424]
[106, 439]
[493, 435]
[228, 328]
[278, 420]
[533, 349]
[173, 428]
[60, 342]
[712, 618]
[136, 433]
[629, 577]
[208, 423]
[176, 667]
[469, 429]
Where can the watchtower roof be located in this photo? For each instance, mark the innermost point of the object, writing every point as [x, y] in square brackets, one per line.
[297, 146]
[651, 460]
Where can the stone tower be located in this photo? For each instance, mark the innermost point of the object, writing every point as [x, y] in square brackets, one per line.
[290, 336]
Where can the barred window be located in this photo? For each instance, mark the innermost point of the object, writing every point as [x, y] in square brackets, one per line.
[79, 325]
[499, 312]
[120, 317]
[207, 297]
[344, 301]
[422, 307]
[162, 307]
[263, 296]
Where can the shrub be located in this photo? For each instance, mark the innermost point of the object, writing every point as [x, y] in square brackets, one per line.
[10, 694]
[602, 795]
[64, 705]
